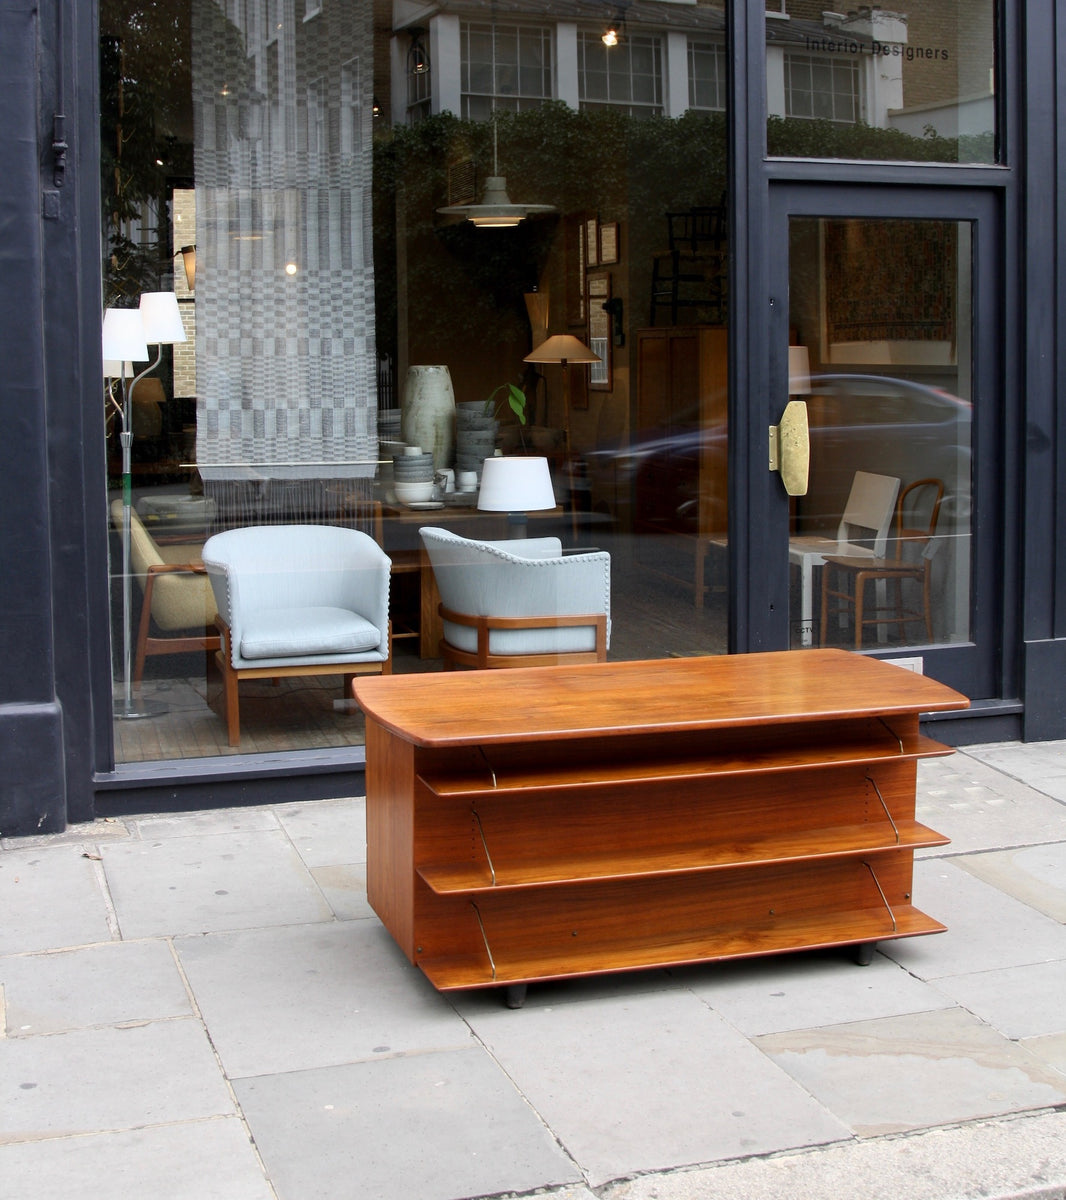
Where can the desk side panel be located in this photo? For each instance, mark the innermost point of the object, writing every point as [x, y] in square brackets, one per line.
[390, 874]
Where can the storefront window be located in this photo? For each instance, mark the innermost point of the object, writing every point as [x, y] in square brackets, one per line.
[321, 166]
[914, 84]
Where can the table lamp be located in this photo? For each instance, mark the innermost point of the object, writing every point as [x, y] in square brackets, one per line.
[516, 486]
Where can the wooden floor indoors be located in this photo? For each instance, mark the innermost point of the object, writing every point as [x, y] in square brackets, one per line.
[652, 617]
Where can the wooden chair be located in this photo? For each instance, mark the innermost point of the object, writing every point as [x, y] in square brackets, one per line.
[845, 578]
[519, 603]
[178, 607]
[690, 272]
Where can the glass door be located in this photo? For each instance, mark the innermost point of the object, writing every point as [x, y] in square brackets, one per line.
[892, 353]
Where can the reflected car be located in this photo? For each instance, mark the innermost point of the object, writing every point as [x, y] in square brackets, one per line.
[875, 423]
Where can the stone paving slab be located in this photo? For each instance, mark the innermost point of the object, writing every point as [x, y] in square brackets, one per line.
[987, 930]
[198, 1160]
[304, 996]
[51, 897]
[639, 1083]
[809, 990]
[100, 985]
[208, 882]
[92, 1080]
[903, 1073]
[425, 1127]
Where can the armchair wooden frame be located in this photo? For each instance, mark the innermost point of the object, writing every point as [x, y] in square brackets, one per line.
[231, 676]
[889, 571]
[149, 644]
[482, 658]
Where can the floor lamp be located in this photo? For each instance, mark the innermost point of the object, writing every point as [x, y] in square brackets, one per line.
[564, 349]
[126, 335]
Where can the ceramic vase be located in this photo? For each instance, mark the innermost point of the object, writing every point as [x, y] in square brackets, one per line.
[427, 417]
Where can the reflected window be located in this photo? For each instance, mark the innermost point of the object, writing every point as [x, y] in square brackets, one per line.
[821, 88]
[504, 67]
[913, 83]
[627, 76]
[706, 76]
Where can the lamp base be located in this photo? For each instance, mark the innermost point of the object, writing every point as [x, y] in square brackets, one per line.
[137, 708]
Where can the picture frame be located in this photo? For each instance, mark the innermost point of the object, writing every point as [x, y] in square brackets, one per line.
[598, 286]
[592, 241]
[608, 243]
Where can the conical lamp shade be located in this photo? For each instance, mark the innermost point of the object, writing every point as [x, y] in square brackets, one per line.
[123, 336]
[562, 348]
[162, 318]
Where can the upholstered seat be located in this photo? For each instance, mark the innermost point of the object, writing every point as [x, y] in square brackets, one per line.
[298, 600]
[178, 599]
[520, 602]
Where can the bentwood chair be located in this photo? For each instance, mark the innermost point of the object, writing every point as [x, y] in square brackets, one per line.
[846, 578]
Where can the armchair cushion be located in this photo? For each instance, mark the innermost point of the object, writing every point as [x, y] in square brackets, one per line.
[298, 632]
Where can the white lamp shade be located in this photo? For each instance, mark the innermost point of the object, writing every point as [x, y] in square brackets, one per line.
[799, 371]
[124, 339]
[162, 318]
[515, 485]
[116, 368]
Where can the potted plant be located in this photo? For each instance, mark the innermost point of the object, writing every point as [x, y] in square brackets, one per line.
[515, 398]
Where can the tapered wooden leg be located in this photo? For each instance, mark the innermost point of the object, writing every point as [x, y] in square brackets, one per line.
[232, 698]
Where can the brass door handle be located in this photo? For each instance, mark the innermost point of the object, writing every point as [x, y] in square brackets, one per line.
[790, 448]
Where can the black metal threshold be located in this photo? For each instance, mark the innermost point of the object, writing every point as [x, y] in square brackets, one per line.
[230, 781]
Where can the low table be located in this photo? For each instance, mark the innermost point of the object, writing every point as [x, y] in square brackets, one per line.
[543, 822]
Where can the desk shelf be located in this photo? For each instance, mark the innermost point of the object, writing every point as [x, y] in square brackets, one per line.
[559, 841]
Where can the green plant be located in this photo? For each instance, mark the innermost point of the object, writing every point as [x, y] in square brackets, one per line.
[515, 397]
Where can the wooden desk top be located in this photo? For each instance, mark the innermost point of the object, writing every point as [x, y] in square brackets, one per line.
[527, 704]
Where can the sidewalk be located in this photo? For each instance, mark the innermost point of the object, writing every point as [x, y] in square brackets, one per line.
[203, 1007]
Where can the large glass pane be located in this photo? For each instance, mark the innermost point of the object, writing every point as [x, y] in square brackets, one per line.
[323, 165]
[915, 83]
[881, 315]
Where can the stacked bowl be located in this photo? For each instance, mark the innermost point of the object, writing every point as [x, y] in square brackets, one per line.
[475, 435]
[412, 474]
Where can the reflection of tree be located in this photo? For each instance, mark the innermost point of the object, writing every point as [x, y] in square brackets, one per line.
[792, 137]
[145, 131]
[463, 286]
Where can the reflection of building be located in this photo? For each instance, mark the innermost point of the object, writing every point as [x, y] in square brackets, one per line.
[911, 72]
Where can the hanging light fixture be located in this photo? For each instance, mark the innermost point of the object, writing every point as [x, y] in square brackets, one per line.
[417, 55]
[496, 211]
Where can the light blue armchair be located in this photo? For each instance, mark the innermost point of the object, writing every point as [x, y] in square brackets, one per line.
[298, 600]
[519, 603]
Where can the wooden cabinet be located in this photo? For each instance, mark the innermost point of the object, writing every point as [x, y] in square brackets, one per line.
[680, 484]
[537, 823]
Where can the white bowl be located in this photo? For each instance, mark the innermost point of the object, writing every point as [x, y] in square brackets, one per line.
[413, 493]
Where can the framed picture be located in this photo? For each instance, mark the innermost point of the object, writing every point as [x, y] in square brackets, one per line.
[609, 243]
[575, 270]
[592, 241]
[599, 330]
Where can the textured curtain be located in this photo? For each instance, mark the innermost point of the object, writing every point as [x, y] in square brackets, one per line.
[286, 360]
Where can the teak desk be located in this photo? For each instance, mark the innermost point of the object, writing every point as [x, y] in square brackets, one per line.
[542, 822]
